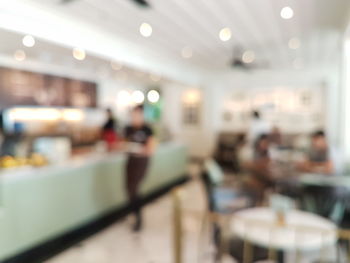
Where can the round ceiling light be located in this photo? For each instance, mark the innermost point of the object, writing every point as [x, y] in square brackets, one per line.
[287, 12]
[123, 98]
[20, 55]
[225, 34]
[28, 41]
[153, 96]
[294, 43]
[155, 78]
[248, 56]
[186, 52]
[138, 97]
[79, 53]
[146, 30]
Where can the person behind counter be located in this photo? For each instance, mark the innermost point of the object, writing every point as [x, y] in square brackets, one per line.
[140, 145]
[109, 134]
[319, 156]
[258, 127]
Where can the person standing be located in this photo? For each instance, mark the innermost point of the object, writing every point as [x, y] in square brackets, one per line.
[258, 127]
[140, 146]
[109, 134]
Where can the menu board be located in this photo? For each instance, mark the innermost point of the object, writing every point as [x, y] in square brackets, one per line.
[19, 87]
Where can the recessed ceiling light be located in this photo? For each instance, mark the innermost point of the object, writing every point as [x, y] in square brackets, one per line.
[155, 78]
[225, 34]
[28, 41]
[116, 66]
[287, 12]
[186, 52]
[153, 96]
[138, 97]
[298, 63]
[248, 56]
[146, 30]
[294, 43]
[20, 55]
[79, 53]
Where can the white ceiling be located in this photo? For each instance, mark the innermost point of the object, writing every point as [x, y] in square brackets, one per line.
[255, 24]
[49, 54]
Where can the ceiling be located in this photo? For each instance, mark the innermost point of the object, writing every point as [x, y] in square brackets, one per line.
[255, 24]
[91, 68]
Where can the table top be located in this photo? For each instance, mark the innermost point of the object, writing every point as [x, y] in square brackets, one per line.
[324, 180]
[302, 230]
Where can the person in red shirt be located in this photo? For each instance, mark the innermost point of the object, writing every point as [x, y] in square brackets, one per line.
[109, 134]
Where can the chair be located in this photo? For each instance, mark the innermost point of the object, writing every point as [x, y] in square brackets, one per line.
[221, 198]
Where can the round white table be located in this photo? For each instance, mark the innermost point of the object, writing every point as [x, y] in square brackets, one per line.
[302, 231]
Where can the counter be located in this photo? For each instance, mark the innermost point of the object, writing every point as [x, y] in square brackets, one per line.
[39, 204]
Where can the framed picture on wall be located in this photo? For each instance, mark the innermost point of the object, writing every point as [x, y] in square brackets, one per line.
[191, 107]
[191, 114]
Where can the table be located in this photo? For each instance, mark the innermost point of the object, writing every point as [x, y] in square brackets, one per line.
[302, 231]
[324, 180]
[327, 195]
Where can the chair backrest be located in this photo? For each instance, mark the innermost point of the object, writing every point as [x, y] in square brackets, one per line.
[214, 172]
[212, 175]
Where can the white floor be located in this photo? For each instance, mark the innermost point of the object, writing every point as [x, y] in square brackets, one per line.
[154, 244]
[118, 244]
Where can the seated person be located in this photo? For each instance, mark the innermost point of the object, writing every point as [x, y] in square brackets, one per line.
[275, 136]
[319, 156]
[261, 177]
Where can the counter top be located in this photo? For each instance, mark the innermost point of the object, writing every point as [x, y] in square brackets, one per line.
[20, 173]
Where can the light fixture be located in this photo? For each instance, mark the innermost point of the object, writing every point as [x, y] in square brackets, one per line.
[123, 98]
[79, 53]
[146, 30]
[72, 115]
[20, 55]
[138, 97]
[248, 56]
[153, 96]
[192, 96]
[186, 52]
[287, 12]
[294, 43]
[116, 66]
[36, 114]
[298, 63]
[225, 34]
[155, 78]
[28, 41]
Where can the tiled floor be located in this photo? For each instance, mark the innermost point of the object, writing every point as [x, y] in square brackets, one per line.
[118, 244]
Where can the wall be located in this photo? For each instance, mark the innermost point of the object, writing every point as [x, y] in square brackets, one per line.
[213, 87]
[217, 87]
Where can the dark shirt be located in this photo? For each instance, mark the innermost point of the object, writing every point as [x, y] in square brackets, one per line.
[318, 155]
[138, 134]
[109, 125]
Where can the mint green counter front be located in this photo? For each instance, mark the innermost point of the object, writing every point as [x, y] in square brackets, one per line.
[39, 204]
